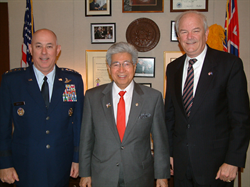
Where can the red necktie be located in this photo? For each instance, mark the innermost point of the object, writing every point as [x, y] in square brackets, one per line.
[121, 116]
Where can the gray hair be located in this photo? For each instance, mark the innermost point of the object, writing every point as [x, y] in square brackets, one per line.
[122, 47]
[202, 16]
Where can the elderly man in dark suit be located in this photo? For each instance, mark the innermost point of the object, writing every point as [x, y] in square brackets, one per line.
[207, 109]
[45, 104]
[115, 135]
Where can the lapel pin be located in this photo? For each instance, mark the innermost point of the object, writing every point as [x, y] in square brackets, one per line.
[60, 79]
[210, 73]
[136, 104]
[108, 105]
[67, 80]
[29, 79]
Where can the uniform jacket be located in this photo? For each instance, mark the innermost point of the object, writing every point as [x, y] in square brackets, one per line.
[217, 130]
[45, 142]
[101, 151]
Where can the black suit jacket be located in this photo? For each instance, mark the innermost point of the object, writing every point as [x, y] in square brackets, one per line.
[217, 130]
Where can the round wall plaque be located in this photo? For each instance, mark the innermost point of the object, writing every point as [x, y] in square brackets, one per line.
[143, 33]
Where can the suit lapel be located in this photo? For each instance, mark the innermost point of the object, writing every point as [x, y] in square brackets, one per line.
[58, 89]
[107, 105]
[33, 88]
[178, 84]
[135, 110]
[206, 77]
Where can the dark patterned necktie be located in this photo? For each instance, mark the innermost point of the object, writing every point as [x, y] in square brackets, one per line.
[45, 92]
[188, 88]
[121, 115]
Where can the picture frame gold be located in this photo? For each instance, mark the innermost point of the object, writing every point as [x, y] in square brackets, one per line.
[96, 68]
[169, 56]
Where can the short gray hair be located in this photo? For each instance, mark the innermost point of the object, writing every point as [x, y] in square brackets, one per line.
[202, 16]
[122, 47]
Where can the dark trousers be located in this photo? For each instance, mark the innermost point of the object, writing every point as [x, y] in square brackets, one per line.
[189, 181]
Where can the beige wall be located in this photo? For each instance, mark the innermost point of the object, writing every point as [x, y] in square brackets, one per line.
[67, 19]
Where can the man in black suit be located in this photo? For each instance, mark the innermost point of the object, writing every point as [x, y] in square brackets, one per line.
[208, 117]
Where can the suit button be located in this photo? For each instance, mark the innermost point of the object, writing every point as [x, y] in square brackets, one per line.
[122, 147]
[47, 146]
[47, 118]
[47, 132]
[188, 126]
[117, 164]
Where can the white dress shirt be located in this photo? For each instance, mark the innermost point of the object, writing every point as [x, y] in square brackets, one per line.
[127, 98]
[39, 78]
[197, 66]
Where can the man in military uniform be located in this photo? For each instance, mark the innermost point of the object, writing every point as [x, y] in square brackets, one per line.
[43, 150]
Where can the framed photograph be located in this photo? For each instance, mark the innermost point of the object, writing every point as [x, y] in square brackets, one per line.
[138, 6]
[169, 56]
[145, 67]
[103, 33]
[96, 69]
[173, 32]
[146, 84]
[184, 5]
[97, 8]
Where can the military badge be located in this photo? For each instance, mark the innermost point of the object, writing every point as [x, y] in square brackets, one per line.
[70, 112]
[20, 111]
[69, 94]
[67, 80]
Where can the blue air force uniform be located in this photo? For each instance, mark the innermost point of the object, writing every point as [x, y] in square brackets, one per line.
[45, 141]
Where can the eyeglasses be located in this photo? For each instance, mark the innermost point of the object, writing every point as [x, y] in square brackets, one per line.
[125, 65]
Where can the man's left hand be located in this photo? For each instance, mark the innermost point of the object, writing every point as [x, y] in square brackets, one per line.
[227, 172]
[74, 172]
[162, 183]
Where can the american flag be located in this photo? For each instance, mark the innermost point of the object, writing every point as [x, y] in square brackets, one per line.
[231, 43]
[28, 30]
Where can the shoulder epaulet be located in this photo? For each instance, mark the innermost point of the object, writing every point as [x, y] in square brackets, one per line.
[69, 70]
[15, 70]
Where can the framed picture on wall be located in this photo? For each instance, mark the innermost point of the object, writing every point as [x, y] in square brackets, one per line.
[173, 32]
[103, 33]
[169, 56]
[97, 8]
[136, 6]
[145, 67]
[96, 68]
[183, 5]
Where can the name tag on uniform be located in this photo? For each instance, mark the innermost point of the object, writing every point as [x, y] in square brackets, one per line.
[19, 103]
[69, 94]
